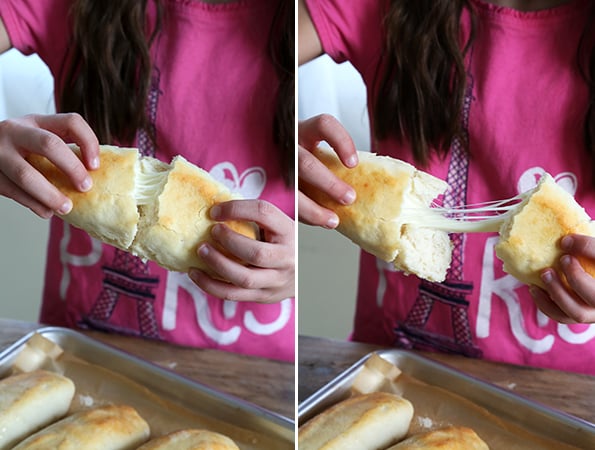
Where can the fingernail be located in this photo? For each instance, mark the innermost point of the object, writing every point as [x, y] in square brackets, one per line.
[348, 198]
[86, 184]
[351, 161]
[47, 214]
[66, 207]
[216, 230]
[95, 163]
[547, 277]
[332, 222]
[215, 211]
[203, 250]
[566, 243]
[565, 260]
[193, 274]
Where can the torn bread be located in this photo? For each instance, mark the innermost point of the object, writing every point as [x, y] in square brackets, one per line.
[447, 438]
[387, 217]
[29, 401]
[154, 210]
[366, 422]
[110, 427]
[530, 235]
[375, 373]
[37, 353]
[191, 439]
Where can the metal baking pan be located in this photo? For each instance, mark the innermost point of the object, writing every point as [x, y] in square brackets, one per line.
[189, 394]
[533, 416]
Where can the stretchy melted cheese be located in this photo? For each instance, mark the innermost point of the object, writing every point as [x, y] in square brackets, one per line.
[154, 210]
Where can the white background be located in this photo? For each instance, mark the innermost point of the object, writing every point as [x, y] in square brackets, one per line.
[327, 260]
[26, 86]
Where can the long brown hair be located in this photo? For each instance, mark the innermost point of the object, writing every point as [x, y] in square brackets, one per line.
[282, 51]
[421, 87]
[109, 73]
[586, 61]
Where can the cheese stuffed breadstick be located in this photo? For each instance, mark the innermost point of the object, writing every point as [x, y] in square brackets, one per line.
[531, 232]
[448, 438]
[394, 219]
[366, 422]
[388, 216]
[154, 210]
[29, 401]
[529, 225]
[112, 427]
[191, 439]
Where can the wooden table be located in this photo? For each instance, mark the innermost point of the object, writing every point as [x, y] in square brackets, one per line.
[320, 360]
[266, 383]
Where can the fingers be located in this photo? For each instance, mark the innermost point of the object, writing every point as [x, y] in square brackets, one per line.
[569, 297]
[265, 271]
[578, 244]
[53, 148]
[571, 304]
[579, 301]
[580, 281]
[313, 214]
[20, 181]
[230, 291]
[10, 190]
[279, 226]
[255, 253]
[53, 131]
[273, 280]
[239, 274]
[277, 250]
[313, 172]
[547, 306]
[73, 128]
[43, 135]
[327, 128]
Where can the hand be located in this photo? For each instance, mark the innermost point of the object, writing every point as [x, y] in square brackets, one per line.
[573, 302]
[269, 275]
[45, 135]
[313, 172]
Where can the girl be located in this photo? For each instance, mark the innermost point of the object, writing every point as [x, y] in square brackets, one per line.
[487, 96]
[212, 80]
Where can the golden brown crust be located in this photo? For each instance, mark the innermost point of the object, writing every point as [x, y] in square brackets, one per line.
[136, 212]
[108, 211]
[448, 438]
[191, 439]
[29, 401]
[529, 240]
[367, 421]
[372, 220]
[381, 220]
[179, 220]
[111, 427]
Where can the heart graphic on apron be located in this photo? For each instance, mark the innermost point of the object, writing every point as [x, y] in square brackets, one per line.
[249, 184]
[529, 179]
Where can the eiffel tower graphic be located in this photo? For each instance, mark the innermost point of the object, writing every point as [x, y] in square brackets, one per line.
[128, 278]
[453, 292]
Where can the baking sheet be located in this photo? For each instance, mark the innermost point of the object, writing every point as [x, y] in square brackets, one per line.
[166, 400]
[488, 399]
